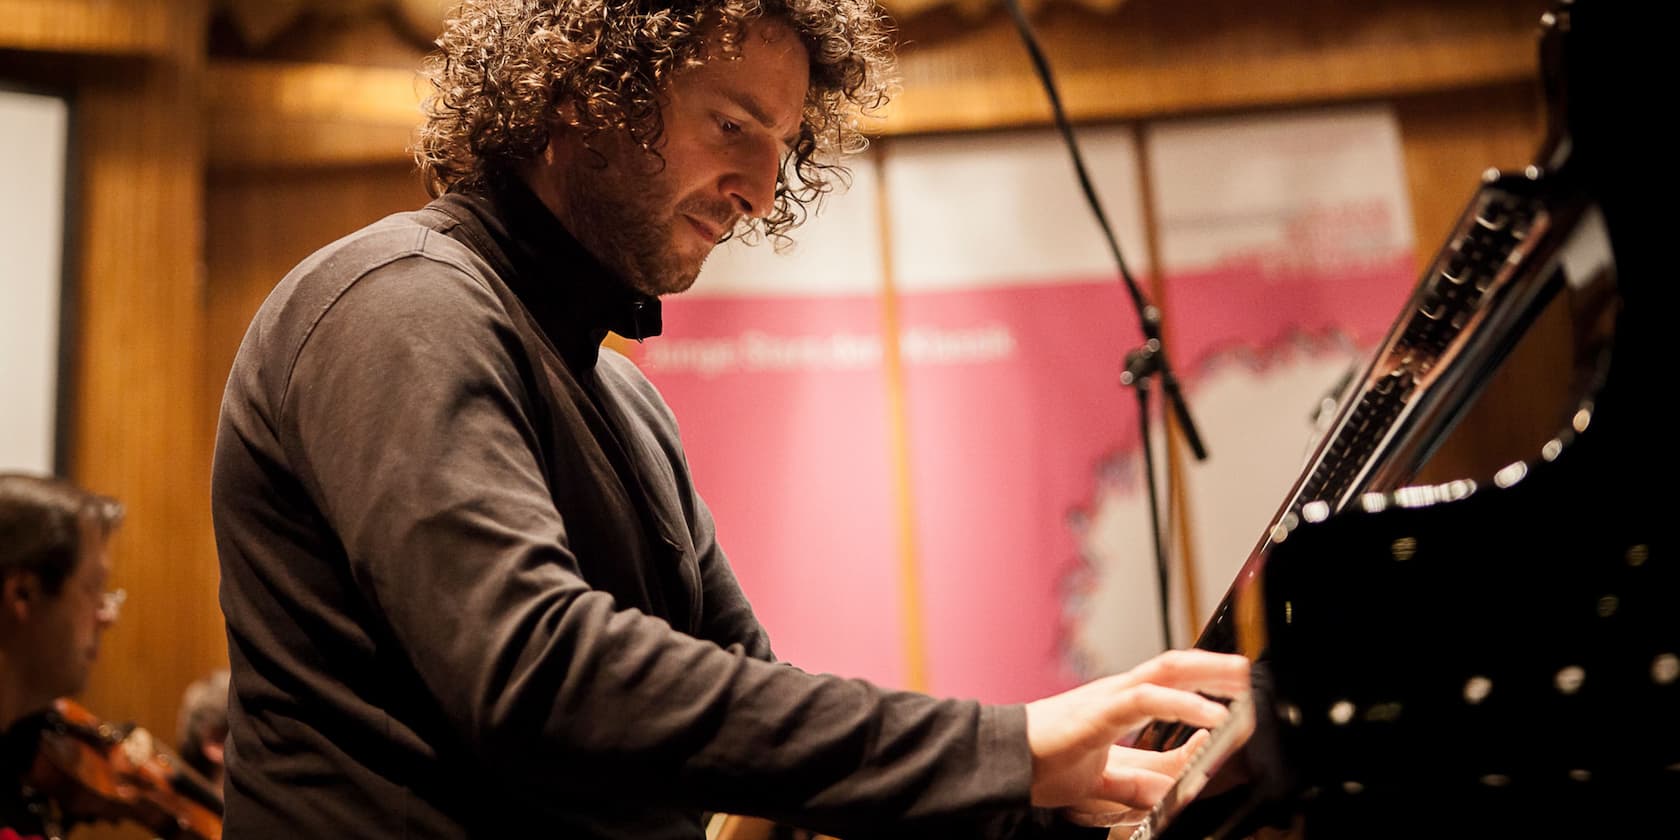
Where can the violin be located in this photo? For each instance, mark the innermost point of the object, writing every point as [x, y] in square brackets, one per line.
[97, 771]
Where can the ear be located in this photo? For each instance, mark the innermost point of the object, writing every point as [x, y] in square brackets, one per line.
[19, 591]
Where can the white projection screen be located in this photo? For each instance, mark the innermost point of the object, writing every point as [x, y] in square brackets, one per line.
[34, 138]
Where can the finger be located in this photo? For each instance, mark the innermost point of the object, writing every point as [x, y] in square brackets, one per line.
[1133, 787]
[1197, 670]
[1219, 674]
[1171, 762]
[1160, 762]
[1189, 748]
[1225, 676]
[1139, 704]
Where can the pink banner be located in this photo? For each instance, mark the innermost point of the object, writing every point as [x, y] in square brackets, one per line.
[1013, 403]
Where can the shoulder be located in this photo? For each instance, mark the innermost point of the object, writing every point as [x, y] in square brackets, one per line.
[394, 262]
[393, 282]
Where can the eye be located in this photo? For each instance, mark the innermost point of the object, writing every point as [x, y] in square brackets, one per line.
[728, 126]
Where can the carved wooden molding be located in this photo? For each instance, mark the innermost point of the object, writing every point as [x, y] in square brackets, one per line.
[96, 27]
[260, 20]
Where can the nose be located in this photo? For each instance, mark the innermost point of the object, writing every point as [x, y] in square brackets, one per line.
[751, 187]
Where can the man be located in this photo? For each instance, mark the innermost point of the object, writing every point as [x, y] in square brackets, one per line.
[469, 585]
[53, 608]
[201, 726]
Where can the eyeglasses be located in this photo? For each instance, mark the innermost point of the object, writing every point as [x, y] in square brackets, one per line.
[110, 604]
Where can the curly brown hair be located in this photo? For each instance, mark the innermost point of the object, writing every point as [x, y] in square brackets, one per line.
[505, 70]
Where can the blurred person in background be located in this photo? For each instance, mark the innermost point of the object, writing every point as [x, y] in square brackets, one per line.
[54, 607]
[201, 727]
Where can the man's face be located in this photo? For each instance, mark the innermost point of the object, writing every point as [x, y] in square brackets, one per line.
[66, 627]
[728, 124]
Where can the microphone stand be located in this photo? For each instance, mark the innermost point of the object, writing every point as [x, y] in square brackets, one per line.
[1143, 363]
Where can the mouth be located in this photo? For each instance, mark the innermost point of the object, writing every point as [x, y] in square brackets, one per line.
[710, 233]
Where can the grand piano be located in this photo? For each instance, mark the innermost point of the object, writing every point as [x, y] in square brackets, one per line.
[1493, 656]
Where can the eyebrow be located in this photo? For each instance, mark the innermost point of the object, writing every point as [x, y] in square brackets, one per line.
[749, 103]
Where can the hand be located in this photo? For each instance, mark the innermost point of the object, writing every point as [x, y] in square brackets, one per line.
[1072, 735]
[1154, 772]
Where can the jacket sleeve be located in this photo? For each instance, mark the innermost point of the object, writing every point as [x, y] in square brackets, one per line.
[407, 416]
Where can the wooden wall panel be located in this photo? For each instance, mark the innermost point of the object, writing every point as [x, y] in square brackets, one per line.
[1449, 140]
[1162, 57]
[109, 27]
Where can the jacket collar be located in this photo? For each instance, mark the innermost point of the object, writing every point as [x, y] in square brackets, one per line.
[574, 298]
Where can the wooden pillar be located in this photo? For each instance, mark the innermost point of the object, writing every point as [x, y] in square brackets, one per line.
[137, 431]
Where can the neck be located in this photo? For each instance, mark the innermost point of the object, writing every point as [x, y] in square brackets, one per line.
[16, 700]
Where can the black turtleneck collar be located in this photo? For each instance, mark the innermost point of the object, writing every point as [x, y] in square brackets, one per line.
[574, 298]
